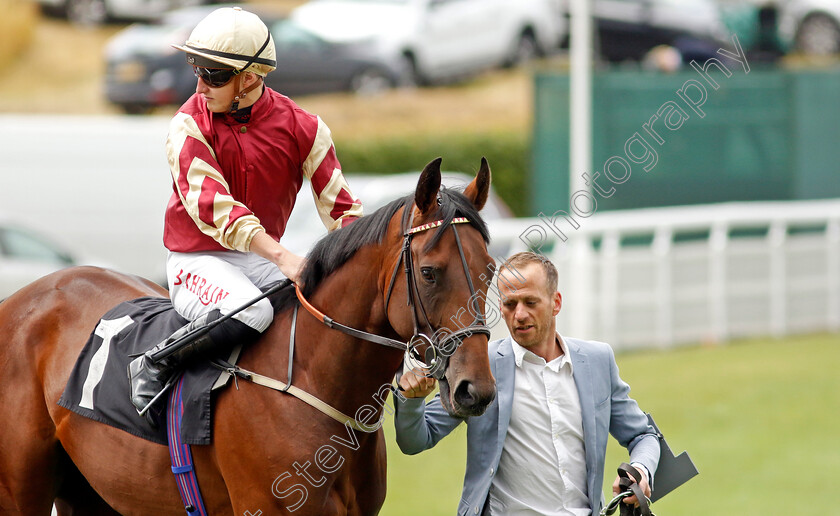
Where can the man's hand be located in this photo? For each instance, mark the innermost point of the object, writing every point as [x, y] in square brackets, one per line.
[644, 484]
[416, 383]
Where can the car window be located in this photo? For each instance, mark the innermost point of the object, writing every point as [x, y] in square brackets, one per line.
[288, 34]
[22, 246]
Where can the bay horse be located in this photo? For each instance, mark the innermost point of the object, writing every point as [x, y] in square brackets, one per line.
[270, 453]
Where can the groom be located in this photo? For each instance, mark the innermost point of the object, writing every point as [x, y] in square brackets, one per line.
[540, 446]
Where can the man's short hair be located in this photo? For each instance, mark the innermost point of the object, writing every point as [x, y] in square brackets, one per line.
[524, 258]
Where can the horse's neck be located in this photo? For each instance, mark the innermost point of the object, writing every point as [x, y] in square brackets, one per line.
[343, 370]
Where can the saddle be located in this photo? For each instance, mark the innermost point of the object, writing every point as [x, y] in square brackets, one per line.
[98, 385]
[628, 483]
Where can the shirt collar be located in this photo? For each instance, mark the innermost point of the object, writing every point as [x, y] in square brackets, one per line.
[521, 354]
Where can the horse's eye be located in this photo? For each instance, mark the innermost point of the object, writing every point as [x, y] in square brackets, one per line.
[428, 274]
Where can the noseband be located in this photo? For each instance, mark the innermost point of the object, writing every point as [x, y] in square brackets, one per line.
[438, 349]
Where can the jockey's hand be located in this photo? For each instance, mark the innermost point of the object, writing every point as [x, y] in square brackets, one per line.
[288, 262]
[416, 383]
[292, 266]
[644, 484]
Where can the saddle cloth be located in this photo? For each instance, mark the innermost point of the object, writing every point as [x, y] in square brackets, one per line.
[98, 386]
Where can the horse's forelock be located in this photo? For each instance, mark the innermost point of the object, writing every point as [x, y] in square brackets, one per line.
[455, 204]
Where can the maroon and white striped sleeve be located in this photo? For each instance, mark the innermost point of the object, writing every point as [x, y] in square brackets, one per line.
[336, 204]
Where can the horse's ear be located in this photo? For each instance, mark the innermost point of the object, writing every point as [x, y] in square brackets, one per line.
[425, 197]
[479, 189]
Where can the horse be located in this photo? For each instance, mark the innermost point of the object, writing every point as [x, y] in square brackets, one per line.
[404, 274]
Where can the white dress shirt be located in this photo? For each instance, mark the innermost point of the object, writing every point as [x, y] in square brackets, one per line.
[542, 469]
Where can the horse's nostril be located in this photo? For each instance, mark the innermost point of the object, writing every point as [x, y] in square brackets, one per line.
[465, 394]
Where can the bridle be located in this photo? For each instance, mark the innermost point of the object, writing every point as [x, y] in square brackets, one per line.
[438, 349]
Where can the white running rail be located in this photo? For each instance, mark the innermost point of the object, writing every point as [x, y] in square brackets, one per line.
[660, 277]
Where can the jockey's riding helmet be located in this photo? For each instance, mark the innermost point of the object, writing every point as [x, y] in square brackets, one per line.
[231, 38]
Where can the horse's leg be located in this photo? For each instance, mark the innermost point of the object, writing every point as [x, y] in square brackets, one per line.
[86, 502]
[29, 450]
[302, 464]
[76, 496]
[258, 473]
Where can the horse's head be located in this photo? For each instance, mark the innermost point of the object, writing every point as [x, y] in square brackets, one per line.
[447, 270]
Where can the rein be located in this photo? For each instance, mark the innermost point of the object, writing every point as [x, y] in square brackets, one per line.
[437, 352]
[353, 332]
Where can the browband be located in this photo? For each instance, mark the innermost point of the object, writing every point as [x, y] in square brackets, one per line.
[435, 224]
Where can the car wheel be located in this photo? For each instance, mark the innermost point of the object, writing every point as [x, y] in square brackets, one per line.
[524, 50]
[370, 81]
[87, 12]
[818, 34]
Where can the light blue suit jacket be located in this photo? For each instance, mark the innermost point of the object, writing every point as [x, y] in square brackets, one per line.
[606, 408]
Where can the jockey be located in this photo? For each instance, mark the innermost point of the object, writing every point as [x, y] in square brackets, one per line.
[238, 152]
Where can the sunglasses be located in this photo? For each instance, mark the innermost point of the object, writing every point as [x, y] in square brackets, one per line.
[214, 77]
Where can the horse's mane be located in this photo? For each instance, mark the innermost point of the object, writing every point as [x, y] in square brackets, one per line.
[335, 248]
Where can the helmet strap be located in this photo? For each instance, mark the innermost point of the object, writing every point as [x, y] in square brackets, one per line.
[234, 106]
[237, 84]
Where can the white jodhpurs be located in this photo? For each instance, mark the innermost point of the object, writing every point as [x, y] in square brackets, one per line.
[223, 280]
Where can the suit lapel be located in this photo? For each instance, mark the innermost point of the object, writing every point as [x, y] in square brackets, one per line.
[583, 382]
[505, 372]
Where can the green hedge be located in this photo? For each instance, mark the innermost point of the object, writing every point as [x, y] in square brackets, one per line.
[508, 154]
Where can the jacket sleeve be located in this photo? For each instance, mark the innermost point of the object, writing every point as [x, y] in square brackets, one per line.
[336, 204]
[419, 425]
[629, 425]
[203, 189]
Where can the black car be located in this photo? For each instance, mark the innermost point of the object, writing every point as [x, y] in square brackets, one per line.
[143, 71]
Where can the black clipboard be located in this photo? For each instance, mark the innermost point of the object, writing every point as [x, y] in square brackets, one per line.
[672, 471]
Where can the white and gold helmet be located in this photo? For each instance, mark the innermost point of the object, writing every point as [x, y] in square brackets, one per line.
[231, 38]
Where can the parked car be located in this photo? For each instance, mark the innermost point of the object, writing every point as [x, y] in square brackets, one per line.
[96, 12]
[144, 71]
[811, 26]
[629, 29]
[441, 39]
[26, 256]
[305, 227]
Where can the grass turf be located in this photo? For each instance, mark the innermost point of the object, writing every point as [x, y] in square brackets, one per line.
[758, 417]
